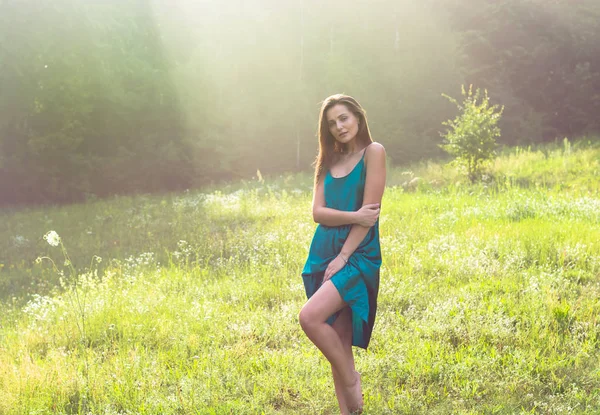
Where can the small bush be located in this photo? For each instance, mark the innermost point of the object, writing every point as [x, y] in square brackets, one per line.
[472, 135]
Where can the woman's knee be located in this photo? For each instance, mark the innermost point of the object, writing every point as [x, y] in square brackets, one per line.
[305, 318]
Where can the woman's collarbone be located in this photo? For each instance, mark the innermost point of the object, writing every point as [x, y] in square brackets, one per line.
[347, 164]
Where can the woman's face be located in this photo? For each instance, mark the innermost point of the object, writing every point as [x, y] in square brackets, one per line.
[343, 124]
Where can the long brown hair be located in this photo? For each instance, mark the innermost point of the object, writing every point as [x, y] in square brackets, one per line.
[329, 147]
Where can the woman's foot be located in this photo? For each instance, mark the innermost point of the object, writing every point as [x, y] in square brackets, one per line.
[354, 397]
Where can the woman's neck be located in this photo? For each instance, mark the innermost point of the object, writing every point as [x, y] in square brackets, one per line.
[352, 148]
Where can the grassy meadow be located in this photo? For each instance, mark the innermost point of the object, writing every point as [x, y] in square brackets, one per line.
[187, 303]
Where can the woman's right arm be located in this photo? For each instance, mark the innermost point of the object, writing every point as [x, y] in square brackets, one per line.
[365, 216]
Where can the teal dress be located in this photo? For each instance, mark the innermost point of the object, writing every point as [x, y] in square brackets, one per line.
[358, 281]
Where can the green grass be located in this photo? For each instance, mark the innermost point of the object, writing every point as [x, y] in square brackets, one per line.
[489, 301]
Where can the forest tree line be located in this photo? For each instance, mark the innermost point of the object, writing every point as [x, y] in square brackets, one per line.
[119, 97]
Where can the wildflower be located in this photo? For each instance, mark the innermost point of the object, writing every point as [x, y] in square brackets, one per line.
[38, 260]
[52, 238]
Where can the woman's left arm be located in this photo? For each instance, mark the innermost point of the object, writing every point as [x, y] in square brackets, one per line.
[374, 186]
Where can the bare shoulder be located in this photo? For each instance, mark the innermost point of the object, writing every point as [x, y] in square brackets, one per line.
[375, 151]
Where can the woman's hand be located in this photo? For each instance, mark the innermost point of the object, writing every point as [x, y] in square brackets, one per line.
[333, 267]
[367, 215]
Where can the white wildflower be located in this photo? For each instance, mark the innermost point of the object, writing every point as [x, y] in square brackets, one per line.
[52, 238]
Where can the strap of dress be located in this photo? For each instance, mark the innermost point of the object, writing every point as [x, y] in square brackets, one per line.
[365, 151]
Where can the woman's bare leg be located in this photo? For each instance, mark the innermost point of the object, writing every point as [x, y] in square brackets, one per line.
[343, 327]
[313, 316]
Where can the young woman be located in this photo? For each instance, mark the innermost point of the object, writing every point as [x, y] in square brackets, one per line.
[341, 274]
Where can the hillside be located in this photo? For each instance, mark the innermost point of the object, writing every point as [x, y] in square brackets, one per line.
[489, 298]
